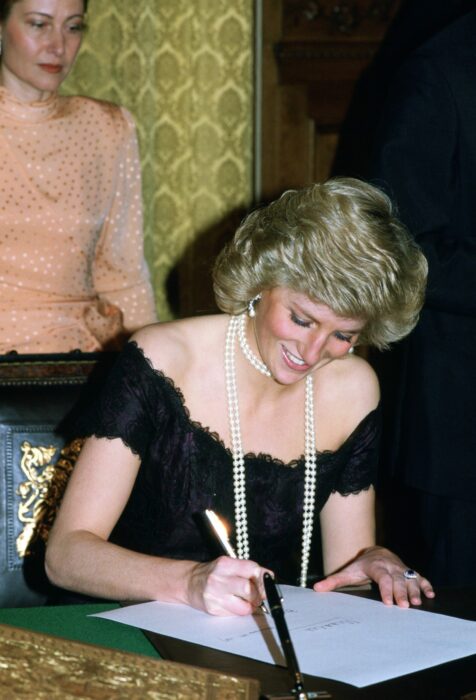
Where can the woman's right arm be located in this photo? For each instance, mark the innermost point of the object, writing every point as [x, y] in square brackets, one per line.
[80, 558]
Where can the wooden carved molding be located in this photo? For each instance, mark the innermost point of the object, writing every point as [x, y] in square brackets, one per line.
[332, 17]
[331, 40]
[306, 51]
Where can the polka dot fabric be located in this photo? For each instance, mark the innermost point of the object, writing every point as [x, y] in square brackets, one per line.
[72, 269]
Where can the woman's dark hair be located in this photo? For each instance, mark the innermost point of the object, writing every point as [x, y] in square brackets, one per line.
[6, 6]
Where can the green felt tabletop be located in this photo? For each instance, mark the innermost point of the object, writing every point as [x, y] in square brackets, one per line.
[73, 622]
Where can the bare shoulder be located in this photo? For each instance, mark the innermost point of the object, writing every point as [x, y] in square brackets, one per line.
[354, 375]
[175, 347]
[345, 393]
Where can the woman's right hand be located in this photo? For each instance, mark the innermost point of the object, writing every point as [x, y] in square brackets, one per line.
[226, 586]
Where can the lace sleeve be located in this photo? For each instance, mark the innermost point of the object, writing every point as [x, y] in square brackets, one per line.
[361, 456]
[123, 407]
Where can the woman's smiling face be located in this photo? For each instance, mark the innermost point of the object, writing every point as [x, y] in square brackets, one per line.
[296, 336]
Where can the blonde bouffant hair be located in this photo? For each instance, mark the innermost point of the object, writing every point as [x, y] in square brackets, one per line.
[339, 243]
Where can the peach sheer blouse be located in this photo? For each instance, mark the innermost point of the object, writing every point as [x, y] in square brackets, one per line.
[72, 269]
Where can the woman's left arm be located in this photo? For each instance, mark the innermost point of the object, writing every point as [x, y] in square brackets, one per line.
[352, 558]
[120, 272]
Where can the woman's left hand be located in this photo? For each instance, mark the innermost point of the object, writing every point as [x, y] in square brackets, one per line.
[386, 569]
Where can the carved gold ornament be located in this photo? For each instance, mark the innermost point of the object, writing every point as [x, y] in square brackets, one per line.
[41, 667]
[42, 490]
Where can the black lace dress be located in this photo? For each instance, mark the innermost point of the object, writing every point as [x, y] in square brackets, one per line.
[185, 469]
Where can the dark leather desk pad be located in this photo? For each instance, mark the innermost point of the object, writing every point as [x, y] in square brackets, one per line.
[448, 681]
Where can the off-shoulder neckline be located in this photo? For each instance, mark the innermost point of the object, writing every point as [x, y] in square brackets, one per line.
[262, 456]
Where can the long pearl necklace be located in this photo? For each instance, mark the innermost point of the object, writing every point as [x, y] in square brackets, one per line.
[236, 326]
[247, 351]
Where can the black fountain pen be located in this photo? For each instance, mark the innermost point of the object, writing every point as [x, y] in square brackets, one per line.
[276, 609]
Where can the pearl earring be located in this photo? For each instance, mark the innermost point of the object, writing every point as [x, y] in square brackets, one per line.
[350, 350]
[251, 305]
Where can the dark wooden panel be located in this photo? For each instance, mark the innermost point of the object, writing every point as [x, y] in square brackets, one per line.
[315, 53]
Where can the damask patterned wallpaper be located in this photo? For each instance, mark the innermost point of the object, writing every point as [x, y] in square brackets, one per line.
[184, 70]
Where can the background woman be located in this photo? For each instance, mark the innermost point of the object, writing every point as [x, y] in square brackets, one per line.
[72, 271]
[265, 417]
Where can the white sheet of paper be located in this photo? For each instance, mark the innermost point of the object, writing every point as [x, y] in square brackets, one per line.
[336, 635]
